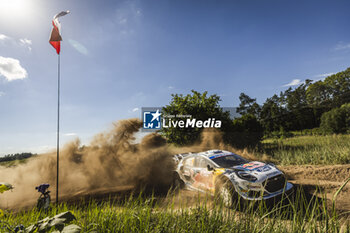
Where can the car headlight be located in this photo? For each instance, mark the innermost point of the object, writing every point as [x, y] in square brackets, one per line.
[246, 176]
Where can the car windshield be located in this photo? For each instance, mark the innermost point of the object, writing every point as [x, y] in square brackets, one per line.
[229, 160]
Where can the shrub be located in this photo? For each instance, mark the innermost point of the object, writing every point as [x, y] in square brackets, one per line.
[336, 120]
[247, 132]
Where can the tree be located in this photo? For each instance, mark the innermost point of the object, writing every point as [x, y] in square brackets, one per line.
[332, 92]
[18, 156]
[301, 115]
[318, 97]
[338, 86]
[247, 131]
[318, 94]
[273, 115]
[199, 106]
[336, 120]
[248, 105]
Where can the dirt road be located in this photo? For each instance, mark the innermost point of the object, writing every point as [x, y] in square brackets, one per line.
[328, 179]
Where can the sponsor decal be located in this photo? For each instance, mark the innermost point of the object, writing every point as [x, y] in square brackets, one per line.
[252, 166]
[220, 155]
[263, 169]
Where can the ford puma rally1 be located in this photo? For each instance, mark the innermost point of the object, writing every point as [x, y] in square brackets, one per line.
[229, 176]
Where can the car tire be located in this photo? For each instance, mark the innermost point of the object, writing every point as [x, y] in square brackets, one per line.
[225, 192]
[177, 183]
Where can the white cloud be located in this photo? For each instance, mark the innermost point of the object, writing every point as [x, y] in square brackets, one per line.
[2, 93]
[4, 37]
[127, 18]
[11, 69]
[123, 21]
[297, 82]
[78, 46]
[26, 43]
[323, 75]
[342, 46]
[131, 111]
[294, 82]
[170, 87]
[70, 134]
[9, 41]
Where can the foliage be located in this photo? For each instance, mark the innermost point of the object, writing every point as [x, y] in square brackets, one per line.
[311, 132]
[273, 115]
[309, 149]
[336, 120]
[303, 213]
[301, 108]
[18, 156]
[199, 106]
[242, 132]
[338, 87]
[295, 109]
[247, 132]
[248, 106]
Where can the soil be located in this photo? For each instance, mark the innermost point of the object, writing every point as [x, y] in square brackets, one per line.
[328, 179]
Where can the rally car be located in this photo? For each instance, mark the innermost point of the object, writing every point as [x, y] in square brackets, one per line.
[229, 176]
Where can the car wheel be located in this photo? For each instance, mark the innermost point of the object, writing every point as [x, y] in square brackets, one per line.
[225, 192]
[178, 183]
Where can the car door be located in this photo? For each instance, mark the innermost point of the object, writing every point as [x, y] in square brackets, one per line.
[187, 170]
[203, 178]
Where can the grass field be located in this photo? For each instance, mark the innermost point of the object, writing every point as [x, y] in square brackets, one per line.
[13, 163]
[304, 214]
[330, 149]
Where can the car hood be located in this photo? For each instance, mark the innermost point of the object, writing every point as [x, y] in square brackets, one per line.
[259, 169]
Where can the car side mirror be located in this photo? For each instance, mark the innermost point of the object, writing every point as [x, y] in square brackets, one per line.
[209, 168]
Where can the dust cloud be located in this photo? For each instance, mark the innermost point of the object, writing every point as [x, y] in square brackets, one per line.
[112, 160]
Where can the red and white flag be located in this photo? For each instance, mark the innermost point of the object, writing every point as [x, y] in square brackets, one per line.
[55, 38]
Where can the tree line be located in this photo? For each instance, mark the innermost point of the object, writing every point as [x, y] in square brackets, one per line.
[322, 105]
[17, 156]
[319, 104]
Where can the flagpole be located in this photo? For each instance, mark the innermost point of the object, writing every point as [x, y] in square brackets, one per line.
[55, 41]
[58, 127]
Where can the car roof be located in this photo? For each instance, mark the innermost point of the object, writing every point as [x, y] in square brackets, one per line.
[212, 154]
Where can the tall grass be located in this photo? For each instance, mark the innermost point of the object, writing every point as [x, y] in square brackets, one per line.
[300, 213]
[329, 149]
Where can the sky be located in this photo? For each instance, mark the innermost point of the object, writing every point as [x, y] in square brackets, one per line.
[119, 56]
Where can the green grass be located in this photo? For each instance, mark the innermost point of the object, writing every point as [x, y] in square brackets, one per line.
[304, 214]
[13, 163]
[329, 149]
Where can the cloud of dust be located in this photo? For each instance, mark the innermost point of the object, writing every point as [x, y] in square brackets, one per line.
[111, 161]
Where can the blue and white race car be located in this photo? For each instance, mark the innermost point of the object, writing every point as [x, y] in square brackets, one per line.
[229, 176]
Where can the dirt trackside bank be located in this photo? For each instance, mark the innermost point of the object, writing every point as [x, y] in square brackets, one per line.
[327, 178]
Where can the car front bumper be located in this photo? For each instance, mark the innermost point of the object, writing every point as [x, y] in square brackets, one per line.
[287, 190]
